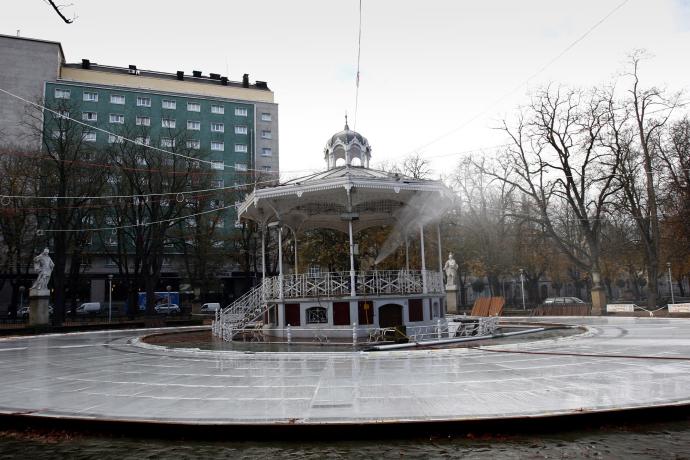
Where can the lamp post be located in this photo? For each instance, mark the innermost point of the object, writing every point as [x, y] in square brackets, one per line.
[670, 283]
[522, 287]
[21, 296]
[110, 297]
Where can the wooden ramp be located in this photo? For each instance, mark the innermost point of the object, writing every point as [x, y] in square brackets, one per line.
[488, 306]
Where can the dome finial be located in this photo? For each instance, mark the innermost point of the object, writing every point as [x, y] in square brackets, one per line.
[347, 128]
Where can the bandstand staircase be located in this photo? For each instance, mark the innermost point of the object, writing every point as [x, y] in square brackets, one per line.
[241, 313]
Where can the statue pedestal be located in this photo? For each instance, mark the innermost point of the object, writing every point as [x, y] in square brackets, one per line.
[598, 301]
[452, 300]
[38, 307]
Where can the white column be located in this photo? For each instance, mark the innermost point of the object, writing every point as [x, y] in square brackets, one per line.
[280, 259]
[353, 290]
[296, 266]
[440, 253]
[421, 243]
[407, 253]
[263, 254]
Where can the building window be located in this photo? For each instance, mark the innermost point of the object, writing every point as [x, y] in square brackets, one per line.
[240, 112]
[117, 118]
[194, 144]
[193, 107]
[218, 109]
[143, 140]
[89, 116]
[217, 146]
[217, 164]
[61, 93]
[241, 148]
[317, 315]
[314, 271]
[143, 101]
[63, 113]
[240, 167]
[266, 168]
[90, 97]
[266, 152]
[240, 130]
[117, 99]
[89, 136]
[217, 127]
[217, 183]
[168, 123]
[143, 121]
[113, 139]
[265, 116]
[193, 125]
[168, 104]
[167, 142]
[265, 134]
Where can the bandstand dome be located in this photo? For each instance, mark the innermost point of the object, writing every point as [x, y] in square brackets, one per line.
[347, 145]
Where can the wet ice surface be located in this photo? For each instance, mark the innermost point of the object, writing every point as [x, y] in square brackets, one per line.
[106, 375]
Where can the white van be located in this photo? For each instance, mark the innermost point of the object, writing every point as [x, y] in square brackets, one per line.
[89, 308]
[211, 307]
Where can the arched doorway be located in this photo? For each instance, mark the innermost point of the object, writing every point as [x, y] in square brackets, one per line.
[390, 315]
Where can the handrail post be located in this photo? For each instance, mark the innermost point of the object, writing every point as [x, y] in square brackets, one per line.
[354, 334]
[289, 334]
[438, 329]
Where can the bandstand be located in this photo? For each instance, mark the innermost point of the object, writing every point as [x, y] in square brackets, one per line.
[348, 197]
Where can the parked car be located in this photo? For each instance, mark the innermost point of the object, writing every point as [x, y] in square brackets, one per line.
[167, 309]
[23, 312]
[89, 308]
[210, 307]
[562, 300]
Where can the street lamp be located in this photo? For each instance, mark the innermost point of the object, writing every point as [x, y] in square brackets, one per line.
[110, 297]
[670, 283]
[21, 296]
[522, 287]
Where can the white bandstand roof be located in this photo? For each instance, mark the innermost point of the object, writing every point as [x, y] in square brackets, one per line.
[331, 198]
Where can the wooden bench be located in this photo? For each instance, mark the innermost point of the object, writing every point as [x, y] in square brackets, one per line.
[488, 306]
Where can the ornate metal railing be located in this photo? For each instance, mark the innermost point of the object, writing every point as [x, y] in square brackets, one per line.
[378, 282]
[247, 309]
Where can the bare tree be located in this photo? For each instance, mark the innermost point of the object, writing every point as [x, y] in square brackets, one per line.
[635, 125]
[63, 170]
[557, 163]
[18, 231]
[154, 183]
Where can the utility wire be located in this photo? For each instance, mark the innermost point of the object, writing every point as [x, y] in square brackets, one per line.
[526, 81]
[359, 49]
[143, 224]
[136, 195]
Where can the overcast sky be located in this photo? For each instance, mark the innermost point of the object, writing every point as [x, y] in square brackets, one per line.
[427, 67]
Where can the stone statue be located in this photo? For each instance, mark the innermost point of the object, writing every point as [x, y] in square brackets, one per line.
[43, 265]
[451, 269]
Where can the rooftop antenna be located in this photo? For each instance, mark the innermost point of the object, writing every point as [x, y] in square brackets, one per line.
[18, 32]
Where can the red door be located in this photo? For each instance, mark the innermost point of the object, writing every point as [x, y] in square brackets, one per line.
[292, 314]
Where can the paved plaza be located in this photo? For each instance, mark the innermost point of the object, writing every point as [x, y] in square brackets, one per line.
[113, 376]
